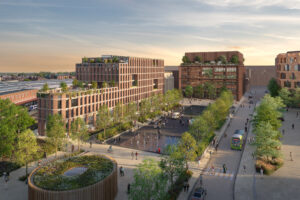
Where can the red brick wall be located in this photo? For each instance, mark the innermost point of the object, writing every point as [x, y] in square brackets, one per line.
[21, 97]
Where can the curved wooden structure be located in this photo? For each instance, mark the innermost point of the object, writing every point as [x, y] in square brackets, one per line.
[105, 189]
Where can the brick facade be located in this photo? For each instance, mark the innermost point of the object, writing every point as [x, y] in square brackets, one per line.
[229, 75]
[20, 97]
[288, 69]
[134, 79]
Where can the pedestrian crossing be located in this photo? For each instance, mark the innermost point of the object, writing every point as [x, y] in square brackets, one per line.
[218, 172]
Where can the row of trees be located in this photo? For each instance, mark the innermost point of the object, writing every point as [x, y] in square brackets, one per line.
[148, 108]
[207, 90]
[212, 118]
[290, 97]
[266, 128]
[234, 60]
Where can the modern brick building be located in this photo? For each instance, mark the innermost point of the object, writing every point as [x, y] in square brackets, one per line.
[224, 68]
[168, 81]
[20, 97]
[128, 79]
[259, 75]
[288, 69]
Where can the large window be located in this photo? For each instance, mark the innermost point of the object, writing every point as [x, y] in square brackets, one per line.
[297, 84]
[282, 75]
[208, 72]
[231, 69]
[74, 102]
[155, 83]
[220, 69]
[297, 68]
[287, 67]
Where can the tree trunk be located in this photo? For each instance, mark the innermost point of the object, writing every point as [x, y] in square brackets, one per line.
[78, 145]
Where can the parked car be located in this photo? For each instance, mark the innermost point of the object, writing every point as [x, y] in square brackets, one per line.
[175, 115]
[199, 194]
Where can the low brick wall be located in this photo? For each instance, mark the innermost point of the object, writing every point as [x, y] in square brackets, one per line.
[105, 189]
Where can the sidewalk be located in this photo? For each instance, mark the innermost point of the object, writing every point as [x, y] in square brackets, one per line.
[283, 183]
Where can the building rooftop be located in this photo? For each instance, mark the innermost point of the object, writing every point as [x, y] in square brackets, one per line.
[12, 91]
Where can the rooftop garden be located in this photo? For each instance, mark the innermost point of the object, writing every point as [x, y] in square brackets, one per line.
[221, 60]
[73, 173]
[112, 59]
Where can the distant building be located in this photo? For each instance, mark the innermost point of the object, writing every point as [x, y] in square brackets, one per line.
[63, 77]
[175, 72]
[20, 97]
[168, 81]
[222, 69]
[128, 79]
[259, 75]
[288, 69]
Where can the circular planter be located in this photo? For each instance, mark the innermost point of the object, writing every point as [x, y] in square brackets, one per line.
[105, 189]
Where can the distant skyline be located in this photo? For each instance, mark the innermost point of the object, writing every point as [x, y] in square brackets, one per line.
[44, 35]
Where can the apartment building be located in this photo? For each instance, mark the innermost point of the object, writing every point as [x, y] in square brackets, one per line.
[288, 69]
[120, 79]
[222, 69]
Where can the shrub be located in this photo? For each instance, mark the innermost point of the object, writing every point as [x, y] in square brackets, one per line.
[268, 166]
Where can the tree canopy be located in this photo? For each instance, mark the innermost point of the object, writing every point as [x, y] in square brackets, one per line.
[188, 91]
[273, 87]
[79, 131]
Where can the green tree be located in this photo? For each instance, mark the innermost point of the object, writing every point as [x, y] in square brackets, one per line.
[188, 91]
[199, 91]
[94, 85]
[266, 141]
[56, 131]
[79, 131]
[223, 59]
[273, 87]
[80, 84]
[145, 107]
[64, 87]
[118, 113]
[149, 182]
[75, 83]
[115, 59]
[285, 95]
[187, 147]
[269, 110]
[131, 111]
[13, 120]
[172, 163]
[186, 60]
[45, 87]
[26, 148]
[234, 59]
[198, 59]
[211, 90]
[104, 118]
[104, 85]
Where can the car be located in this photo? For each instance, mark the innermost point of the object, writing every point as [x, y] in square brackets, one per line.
[199, 194]
[175, 115]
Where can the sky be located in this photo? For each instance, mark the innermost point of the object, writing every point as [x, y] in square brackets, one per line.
[44, 35]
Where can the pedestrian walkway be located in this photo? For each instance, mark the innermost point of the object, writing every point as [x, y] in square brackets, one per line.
[218, 172]
[282, 184]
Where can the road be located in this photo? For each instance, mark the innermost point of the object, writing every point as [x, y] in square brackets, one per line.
[218, 184]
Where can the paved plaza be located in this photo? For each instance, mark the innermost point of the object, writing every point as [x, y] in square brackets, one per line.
[283, 183]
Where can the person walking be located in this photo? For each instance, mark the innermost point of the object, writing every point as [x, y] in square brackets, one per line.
[291, 156]
[136, 155]
[261, 172]
[132, 155]
[244, 167]
[293, 126]
[128, 188]
[224, 168]
[121, 171]
[199, 162]
[187, 186]
[282, 131]
[91, 144]
[212, 170]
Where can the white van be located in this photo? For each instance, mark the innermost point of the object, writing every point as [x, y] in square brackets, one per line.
[175, 115]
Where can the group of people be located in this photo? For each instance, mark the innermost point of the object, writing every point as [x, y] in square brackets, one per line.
[186, 186]
[136, 155]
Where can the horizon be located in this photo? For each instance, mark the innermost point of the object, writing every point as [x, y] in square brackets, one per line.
[54, 35]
